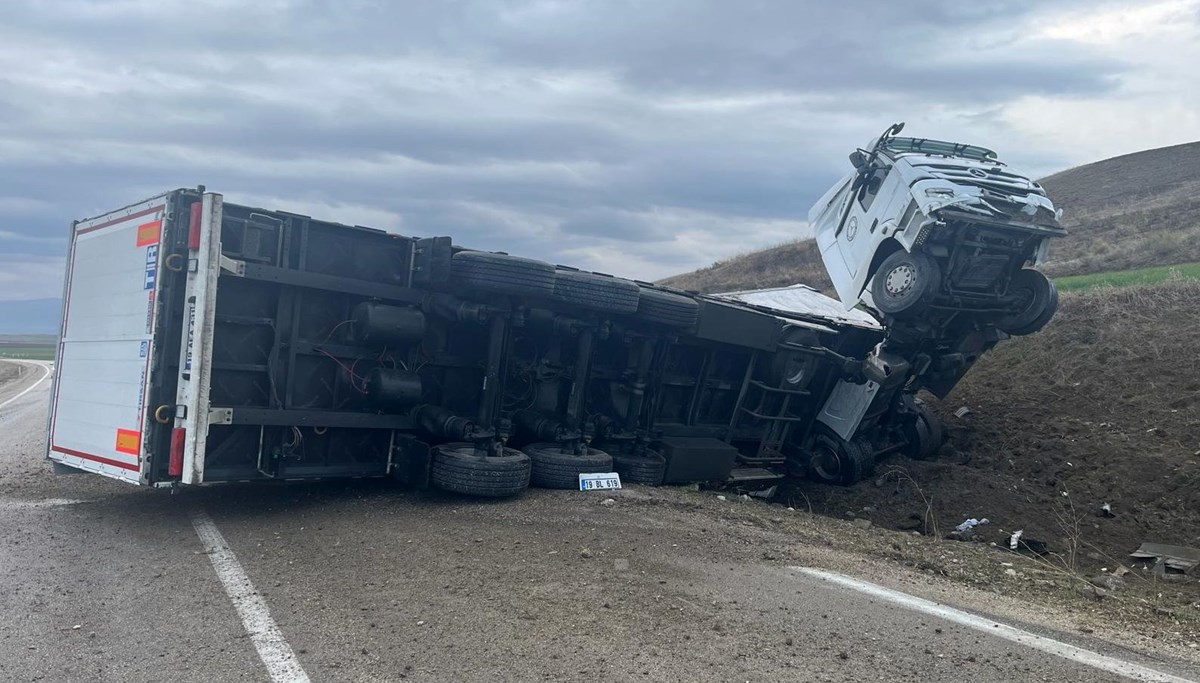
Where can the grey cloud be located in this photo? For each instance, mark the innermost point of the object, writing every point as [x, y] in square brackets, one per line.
[539, 128]
[612, 224]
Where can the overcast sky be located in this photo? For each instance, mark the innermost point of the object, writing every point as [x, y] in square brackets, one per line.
[637, 137]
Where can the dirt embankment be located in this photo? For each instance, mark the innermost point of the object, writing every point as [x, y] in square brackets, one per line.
[1103, 406]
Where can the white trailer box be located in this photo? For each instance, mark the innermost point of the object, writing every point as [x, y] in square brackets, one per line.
[113, 404]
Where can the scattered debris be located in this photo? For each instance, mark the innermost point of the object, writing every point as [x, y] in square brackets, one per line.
[585, 553]
[1169, 558]
[608, 502]
[962, 412]
[765, 493]
[720, 497]
[971, 524]
[1106, 511]
[1018, 541]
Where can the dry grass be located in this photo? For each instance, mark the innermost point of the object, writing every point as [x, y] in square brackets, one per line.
[786, 264]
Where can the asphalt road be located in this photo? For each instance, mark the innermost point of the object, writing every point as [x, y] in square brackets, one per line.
[102, 581]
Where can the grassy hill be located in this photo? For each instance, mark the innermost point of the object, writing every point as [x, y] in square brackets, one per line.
[1127, 212]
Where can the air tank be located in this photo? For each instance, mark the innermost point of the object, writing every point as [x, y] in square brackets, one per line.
[379, 325]
[393, 388]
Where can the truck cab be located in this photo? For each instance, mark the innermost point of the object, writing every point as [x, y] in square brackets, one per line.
[933, 230]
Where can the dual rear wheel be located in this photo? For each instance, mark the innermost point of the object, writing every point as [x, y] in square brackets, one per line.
[457, 468]
[906, 283]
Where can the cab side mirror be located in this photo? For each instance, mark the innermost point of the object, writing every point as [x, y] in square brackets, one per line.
[858, 159]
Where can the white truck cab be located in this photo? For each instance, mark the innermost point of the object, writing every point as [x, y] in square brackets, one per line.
[929, 229]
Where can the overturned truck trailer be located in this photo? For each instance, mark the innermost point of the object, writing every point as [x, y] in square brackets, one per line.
[210, 342]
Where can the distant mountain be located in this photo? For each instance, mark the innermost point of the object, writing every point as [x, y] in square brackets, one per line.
[1131, 211]
[35, 316]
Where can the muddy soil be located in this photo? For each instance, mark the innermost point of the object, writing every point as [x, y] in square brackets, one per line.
[1102, 407]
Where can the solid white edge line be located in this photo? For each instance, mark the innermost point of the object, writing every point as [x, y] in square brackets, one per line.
[272, 647]
[45, 374]
[1011, 633]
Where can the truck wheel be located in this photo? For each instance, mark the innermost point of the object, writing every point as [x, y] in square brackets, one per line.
[866, 457]
[598, 292]
[904, 283]
[924, 434]
[665, 308]
[554, 469]
[647, 468]
[502, 273]
[835, 461]
[1038, 299]
[456, 468]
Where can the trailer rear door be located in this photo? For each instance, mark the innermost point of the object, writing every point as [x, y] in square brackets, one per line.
[98, 410]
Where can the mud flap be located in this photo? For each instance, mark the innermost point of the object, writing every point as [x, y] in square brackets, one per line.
[411, 461]
[846, 406]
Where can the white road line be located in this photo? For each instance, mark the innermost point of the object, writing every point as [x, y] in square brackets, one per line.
[45, 374]
[272, 648]
[1048, 645]
[47, 503]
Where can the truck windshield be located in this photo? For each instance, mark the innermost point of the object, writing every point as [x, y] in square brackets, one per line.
[953, 149]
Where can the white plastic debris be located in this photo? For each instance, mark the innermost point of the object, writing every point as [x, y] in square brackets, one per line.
[1015, 538]
[971, 524]
[962, 412]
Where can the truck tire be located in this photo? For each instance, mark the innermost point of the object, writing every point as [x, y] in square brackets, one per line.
[904, 283]
[866, 457]
[554, 469]
[835, 461]
[597, 292]
[502, 273]
[924, 434]
[456, 468]
[647, 468]
[665, 308]
[1039, 301]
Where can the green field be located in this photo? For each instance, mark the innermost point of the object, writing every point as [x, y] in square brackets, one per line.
[1126, 278]
[38, 352]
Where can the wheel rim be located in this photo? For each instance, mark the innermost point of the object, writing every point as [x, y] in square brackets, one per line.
[1026, 303]
[899, 280]
[826, 463]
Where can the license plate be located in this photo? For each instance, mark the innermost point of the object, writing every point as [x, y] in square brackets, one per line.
[597, 481]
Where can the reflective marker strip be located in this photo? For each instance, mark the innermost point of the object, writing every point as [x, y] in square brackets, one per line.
[129, 441]
[175, 464]
[194, 226]
[148, 233]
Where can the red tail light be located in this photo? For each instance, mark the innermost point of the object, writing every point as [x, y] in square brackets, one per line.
[194, 227]
[175, 464]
